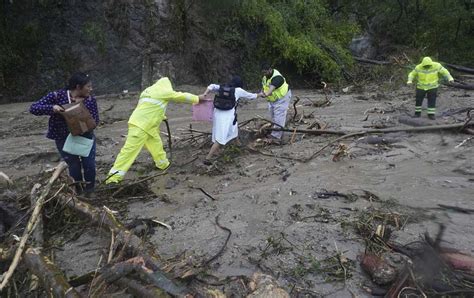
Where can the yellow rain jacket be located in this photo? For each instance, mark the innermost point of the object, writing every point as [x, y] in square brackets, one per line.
[277, 93]
[143, 127]
[427, 77]
[151, 108]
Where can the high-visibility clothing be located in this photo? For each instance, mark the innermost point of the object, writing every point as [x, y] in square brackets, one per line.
[427, 77]
[278, 92]
[144, 125]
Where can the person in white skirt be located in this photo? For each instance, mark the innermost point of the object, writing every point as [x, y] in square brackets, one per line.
[224, 121]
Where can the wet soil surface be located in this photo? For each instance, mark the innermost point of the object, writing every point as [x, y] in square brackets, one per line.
[287, 217]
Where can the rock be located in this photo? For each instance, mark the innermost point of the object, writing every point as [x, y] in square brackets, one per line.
[363, 46]
[265, 286]
[379, 270]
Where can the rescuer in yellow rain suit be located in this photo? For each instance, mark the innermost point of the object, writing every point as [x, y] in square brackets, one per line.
[427, 75]
[144, 127]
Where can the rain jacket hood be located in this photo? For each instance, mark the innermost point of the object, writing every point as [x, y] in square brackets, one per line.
[426, 61]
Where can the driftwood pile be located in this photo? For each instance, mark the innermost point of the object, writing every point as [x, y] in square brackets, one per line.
[132, 264]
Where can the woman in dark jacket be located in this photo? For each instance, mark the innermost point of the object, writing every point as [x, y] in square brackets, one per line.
[78, 89]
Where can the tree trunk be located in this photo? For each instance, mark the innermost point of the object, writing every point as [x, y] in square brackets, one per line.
[51, 277]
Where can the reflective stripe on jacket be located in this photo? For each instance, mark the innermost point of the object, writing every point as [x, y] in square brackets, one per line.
[427, 78]
[151, 107]
[278, 92]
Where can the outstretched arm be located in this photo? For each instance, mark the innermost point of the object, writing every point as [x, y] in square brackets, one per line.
[445, 73]
[47, 105]
[411, 76]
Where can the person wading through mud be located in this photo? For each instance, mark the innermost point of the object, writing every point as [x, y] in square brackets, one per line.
[79, 88]
[144, 127]
[427, 75]
[278, 94]
[224, 121]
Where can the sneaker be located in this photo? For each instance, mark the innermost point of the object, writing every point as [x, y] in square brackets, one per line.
[431, 117]
[272, 141]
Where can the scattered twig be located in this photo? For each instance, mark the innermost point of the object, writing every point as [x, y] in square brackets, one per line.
[455, 208]
[294, 107]
[225, 243]
[204, 192]
[112, 245]
[162, 223]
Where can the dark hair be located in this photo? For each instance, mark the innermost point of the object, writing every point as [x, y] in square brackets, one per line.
[265, 65]
[79, 78]
[236, 82]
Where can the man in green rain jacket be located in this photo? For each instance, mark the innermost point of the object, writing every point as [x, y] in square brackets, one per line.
[144, 125]
[427, 75]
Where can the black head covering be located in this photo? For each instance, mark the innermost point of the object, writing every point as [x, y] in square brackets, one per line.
[236, 82]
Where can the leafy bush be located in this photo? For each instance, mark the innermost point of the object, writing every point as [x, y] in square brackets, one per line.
[300, 33]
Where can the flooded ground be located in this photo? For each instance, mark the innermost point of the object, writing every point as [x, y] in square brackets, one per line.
[281, 223]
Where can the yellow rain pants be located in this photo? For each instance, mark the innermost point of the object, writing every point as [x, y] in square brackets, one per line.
[144, 125]
[136, 139]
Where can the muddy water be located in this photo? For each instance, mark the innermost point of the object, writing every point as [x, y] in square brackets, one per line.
[261, 198]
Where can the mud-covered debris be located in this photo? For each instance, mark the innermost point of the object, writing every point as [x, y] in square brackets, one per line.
[383, 269]
[459, 261]
[265, 286]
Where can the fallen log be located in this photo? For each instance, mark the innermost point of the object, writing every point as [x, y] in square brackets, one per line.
[31, 224]
[388, 130]
[130, 242]
[346, 134]
[460, 85]
[137, 289]
[370, 61]
[136, 265]
[460, 68]
[53, 280]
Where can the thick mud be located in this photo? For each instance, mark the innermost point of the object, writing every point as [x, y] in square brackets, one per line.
[283, 222]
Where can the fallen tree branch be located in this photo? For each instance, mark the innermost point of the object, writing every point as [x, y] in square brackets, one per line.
[130, 242]
[53, 280]
[31, 224]
[389, 130]
[460, 68]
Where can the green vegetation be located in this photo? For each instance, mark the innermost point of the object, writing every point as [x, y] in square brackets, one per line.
[441, 29]
[311, 38]
[301, 33]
